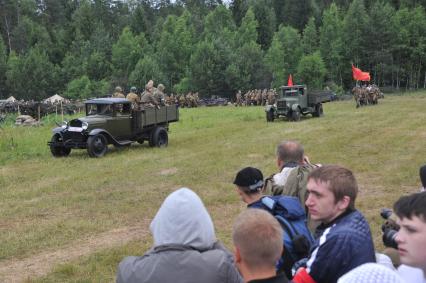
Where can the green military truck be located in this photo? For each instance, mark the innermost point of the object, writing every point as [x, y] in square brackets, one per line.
[112, 121]
[294, 101]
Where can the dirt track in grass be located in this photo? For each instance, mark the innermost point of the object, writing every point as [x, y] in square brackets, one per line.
[43, 263]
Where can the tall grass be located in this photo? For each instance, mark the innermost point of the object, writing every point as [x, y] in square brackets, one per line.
[49, 203]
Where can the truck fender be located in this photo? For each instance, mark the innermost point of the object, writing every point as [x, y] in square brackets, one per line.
[109, 137]
[269, 107]
[57, 130]
[295, 107]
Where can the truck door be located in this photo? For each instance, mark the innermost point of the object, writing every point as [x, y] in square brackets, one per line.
[303, 98]
[120, 124]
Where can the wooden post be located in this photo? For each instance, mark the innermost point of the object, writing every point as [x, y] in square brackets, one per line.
[62, 112]
[38, 112]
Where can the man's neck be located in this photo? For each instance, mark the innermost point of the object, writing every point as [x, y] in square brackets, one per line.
[249, 199]
[338, 216]
[250, 275]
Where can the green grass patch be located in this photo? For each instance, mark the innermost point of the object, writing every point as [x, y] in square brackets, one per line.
[49, 203]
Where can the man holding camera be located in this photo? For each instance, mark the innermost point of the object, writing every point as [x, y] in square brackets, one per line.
[343, 239]
[411, 237]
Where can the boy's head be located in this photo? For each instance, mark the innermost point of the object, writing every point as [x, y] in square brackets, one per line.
[257, 238]
[249, 181]
[411, 237]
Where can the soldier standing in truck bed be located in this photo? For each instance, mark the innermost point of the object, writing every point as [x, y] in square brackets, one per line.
[159, 94]
[118, 92]
[134, 98]
[148, 98]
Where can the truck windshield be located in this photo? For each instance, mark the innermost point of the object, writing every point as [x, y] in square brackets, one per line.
[98, 109]
[290, 92]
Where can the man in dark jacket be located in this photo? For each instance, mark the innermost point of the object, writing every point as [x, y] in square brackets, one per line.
[343, 239]
[257, 238]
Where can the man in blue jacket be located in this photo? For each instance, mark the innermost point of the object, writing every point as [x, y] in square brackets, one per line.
[343, 239]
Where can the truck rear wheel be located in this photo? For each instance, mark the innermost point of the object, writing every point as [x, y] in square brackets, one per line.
[318, 111]
[159, 137]
[97, 145]
[270, 116]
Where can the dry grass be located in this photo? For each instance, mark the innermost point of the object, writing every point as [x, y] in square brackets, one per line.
[47, 204]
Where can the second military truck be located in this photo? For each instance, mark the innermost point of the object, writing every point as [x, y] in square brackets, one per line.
[112, 121]
[294, 101]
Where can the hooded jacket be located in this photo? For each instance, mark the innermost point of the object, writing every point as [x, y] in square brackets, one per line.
[185, 247]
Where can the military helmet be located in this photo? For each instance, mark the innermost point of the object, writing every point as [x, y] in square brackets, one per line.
[160, 87]
[133, 89]
[118, 89]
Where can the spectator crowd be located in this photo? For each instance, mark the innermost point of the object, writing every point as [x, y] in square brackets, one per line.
[301, 225]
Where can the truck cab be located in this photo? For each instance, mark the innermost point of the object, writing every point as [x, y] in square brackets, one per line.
[294, 101]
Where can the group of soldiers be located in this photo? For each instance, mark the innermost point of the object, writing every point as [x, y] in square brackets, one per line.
[155, 97]
[256, 97]
[366, 95]
[150, 97]
[37, 109]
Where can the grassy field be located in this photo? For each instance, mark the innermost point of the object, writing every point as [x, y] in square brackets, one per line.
[73, 219]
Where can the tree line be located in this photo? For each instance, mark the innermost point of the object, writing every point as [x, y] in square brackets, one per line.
[84, 48]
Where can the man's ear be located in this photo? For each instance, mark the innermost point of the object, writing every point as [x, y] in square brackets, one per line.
[237, 255]
[279, 163]
[343, 204]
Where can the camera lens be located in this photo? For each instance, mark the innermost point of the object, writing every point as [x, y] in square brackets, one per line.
[389, 238]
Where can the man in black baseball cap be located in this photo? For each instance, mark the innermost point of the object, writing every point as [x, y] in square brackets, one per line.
[249, 182]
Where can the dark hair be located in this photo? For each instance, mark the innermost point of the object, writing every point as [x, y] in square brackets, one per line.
[422, 173]
[414, 204]
[340, 181]
[290, 151]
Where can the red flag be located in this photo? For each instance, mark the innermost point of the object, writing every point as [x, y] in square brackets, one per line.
[360, 75]
[290, 80]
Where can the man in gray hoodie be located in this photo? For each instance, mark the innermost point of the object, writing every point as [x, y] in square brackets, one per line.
[185, 247]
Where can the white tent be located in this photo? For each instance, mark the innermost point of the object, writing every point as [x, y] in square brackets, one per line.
[11, 99]
[55, 99]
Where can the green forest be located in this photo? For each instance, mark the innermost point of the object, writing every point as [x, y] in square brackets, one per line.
[84, 48]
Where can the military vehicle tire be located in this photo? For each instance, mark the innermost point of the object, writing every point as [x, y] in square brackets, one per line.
[270, 116]
[159, 137]
[295, 115]
[97, 145]
[140, 141]
[318, 111]
[58, 151]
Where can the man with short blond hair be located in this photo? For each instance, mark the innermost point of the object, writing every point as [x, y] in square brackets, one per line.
[257, 238]
[343, 239]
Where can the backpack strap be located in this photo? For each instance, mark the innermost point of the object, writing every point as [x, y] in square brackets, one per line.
[270, 203]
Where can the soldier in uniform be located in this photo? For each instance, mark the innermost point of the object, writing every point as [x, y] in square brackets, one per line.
[118, 92]
[196, 99]
[148, 98]
[189, 99]
[238, 99]
[159, 94]
[134, 98]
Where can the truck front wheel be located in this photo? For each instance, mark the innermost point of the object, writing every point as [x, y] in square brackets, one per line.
[270, 116]
[159, 137]
[295, 115]
[58, 151]
[97, 145]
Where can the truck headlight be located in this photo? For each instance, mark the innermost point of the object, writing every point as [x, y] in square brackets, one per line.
[84, 125]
